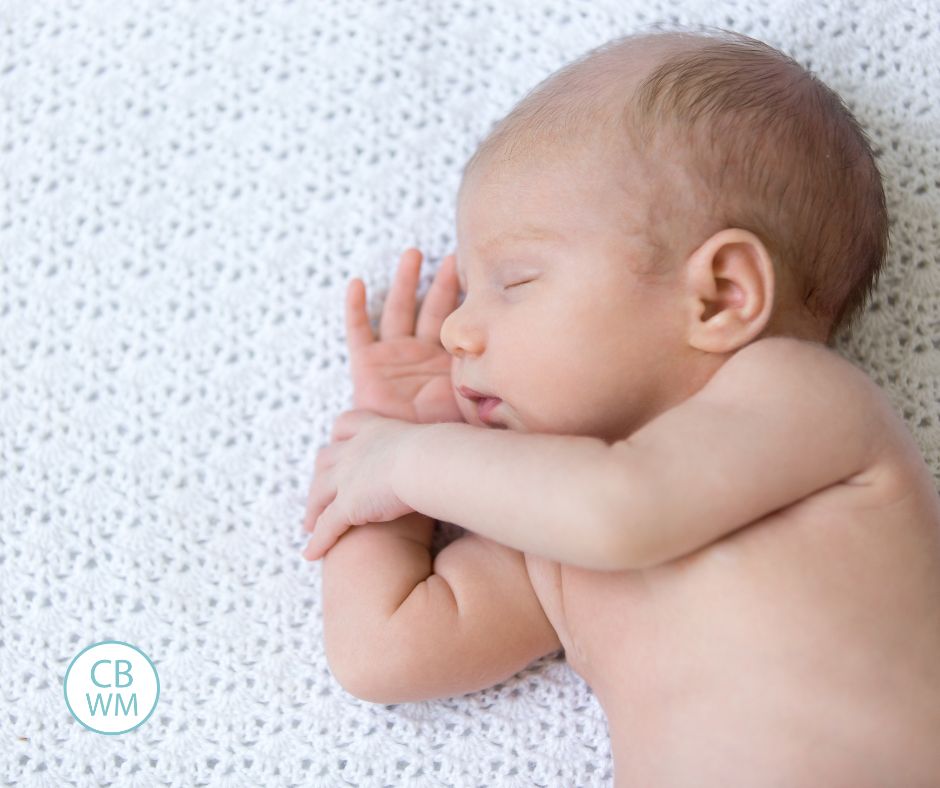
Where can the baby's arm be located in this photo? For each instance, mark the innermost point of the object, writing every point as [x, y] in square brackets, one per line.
[399, 627]
[780, 420]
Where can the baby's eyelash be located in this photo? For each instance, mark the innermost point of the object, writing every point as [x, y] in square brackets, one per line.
[463, 292]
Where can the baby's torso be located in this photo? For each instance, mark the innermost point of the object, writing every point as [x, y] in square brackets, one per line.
[806, 642]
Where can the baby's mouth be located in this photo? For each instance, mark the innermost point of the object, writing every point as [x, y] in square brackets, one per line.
[485, 405]
[485, 408]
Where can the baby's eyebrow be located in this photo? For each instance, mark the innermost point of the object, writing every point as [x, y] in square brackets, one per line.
[526, 234]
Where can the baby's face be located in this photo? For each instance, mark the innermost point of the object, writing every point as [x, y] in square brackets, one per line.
[557, 325]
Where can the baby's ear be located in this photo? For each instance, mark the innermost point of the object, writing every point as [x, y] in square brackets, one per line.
[729, 284]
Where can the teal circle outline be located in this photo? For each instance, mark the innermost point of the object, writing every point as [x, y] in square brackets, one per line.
[65, 684]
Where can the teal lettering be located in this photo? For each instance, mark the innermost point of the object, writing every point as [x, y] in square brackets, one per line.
[98, 700]
[94, 667]
[126, 709]
[118, 673]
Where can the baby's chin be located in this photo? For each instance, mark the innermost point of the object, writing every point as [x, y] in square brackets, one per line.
[497, 422]
[490, 425]
[504, 423]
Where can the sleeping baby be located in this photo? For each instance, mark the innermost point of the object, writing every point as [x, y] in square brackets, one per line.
[665, 469]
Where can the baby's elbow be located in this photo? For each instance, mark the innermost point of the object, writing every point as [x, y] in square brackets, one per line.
[372, 677]
[360, 681]
[346, 657]
[373, 686]
[362, 686]
[350, 678]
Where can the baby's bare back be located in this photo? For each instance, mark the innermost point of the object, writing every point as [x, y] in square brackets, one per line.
[803, 649]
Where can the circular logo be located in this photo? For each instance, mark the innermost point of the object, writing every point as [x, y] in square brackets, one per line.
[111, 687]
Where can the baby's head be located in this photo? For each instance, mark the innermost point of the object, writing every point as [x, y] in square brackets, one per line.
[644, 213]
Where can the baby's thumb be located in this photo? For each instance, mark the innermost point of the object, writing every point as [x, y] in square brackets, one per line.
[313, 551]
[318, 546]
[323, 537]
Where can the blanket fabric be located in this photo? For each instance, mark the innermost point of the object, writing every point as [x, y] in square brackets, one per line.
[187, 189]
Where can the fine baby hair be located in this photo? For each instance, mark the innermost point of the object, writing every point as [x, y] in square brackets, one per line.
[731, 133]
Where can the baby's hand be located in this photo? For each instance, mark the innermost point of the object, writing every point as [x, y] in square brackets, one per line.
[406, 373]
[352, 483]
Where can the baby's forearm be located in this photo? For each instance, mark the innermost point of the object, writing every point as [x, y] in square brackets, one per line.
[366, 576]
[539, 493]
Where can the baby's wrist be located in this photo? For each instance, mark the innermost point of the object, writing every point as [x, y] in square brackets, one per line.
[406, 459]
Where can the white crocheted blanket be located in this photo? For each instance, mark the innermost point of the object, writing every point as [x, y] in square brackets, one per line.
[187, 188]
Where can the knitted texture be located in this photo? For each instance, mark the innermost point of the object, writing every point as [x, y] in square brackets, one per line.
[187, 188]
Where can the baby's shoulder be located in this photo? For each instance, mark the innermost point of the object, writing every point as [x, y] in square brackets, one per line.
[817, 374]
[812, 364]
[785, 369]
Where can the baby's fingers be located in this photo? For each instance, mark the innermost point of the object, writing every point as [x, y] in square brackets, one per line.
[330, 527]
[358, 330]
[440, 300]
[398, 315]
[322, 493]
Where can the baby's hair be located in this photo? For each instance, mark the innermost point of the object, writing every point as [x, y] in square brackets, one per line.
[756, 142]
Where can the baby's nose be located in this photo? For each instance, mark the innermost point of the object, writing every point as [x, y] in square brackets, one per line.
[461, 334]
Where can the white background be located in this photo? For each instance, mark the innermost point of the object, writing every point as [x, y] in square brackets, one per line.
[185, 190]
